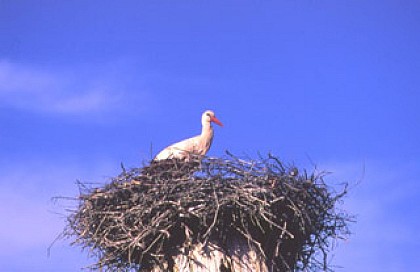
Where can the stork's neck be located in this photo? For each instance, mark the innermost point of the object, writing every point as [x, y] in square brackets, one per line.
[207, 130]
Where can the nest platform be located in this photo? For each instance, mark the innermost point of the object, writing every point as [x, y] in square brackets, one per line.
[146, 217]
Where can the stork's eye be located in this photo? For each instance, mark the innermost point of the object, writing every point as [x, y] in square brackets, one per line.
[208, 114]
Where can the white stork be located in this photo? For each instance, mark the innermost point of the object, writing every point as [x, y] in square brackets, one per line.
[195, 146]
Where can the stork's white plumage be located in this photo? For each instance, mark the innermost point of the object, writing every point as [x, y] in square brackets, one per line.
[196, 146]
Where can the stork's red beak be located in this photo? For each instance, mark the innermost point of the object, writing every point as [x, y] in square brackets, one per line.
[214, 119]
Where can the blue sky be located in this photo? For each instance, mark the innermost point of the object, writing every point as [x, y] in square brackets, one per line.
[85, 85]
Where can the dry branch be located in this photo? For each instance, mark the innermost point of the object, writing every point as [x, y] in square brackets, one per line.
[147, 216]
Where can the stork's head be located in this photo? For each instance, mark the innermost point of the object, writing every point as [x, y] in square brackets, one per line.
[209, 116]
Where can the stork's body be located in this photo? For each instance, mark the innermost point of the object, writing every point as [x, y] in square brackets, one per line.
[193, 147]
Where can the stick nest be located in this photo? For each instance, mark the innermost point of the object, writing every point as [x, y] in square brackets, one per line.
[147, 215]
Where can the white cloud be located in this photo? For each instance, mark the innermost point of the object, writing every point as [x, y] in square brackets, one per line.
[79, 91]
[95, 100]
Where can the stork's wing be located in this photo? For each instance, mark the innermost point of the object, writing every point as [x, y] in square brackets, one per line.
[181, 150]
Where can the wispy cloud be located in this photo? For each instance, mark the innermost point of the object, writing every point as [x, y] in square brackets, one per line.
[385, 233]
[28, 223]
[31, 221]
[32, 88]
